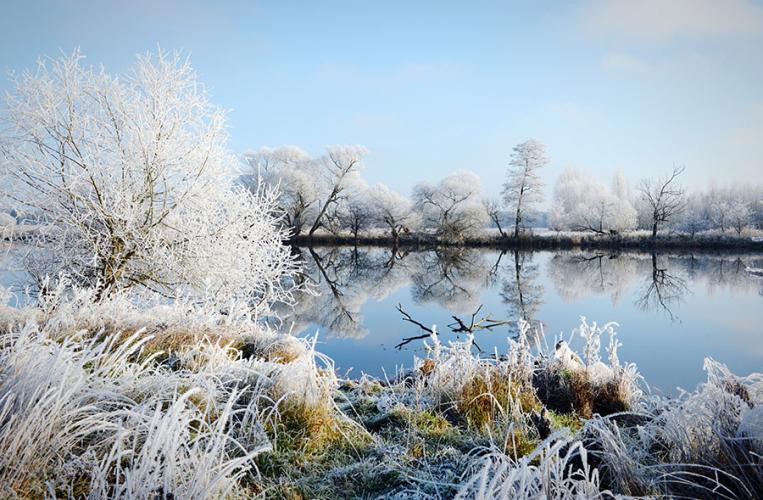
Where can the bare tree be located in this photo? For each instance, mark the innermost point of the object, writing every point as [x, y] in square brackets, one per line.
[290, 170]
[523, 187]
[338, 167]
[495, 213]
[391, 209]
[664, 199]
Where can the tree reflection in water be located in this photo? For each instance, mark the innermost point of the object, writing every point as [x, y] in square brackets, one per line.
[663, 290]
[576, 275]
[451, 278]
[343, 279]
[521, 290]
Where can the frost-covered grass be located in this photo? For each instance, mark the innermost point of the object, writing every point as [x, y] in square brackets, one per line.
[106, 398]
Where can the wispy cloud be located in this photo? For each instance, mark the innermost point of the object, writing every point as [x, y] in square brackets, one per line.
[659, 20]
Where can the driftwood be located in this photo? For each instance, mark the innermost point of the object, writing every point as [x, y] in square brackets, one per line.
[458, 326]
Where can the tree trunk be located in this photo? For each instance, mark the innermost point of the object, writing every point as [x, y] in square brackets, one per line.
[325, 207]
[500, 229]
[517, 222]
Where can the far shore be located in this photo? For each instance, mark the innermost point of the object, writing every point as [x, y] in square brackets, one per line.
[546, 240]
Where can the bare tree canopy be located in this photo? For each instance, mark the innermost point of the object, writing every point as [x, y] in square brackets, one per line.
[664, 198]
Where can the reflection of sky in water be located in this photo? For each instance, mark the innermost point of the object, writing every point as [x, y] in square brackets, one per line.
[717, 307]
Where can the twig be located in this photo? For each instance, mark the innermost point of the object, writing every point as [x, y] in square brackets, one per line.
[458, 326]
[407, 317]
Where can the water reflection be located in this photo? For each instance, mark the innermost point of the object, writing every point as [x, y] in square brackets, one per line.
[455, 279]
[576, 275]
[521, 289]
[452, 278]
[662, 290]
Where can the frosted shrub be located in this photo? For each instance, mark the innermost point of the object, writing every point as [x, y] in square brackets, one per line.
[566, 382]
[131, 177]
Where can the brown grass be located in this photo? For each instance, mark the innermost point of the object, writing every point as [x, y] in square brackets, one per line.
[490, 394]
[568, 392]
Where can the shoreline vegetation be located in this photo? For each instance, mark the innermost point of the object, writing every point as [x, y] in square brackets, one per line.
[542, 241]
[103, 398]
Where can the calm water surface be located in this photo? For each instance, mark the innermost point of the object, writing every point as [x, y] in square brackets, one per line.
[673, 311]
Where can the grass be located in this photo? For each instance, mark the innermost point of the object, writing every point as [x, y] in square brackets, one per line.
[486, 397]
[104, 398]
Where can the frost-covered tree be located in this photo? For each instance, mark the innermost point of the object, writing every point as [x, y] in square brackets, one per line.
[738, 215]
[311, 188]
[131, 178]
[625, 216]
[663, 199]
[695, 217]
[756, 209]
[340, 166]
[292, 171]
[354, 212]
[523, 188]
[718, 210]
[452, 207]
[581, 203]
[495, 213]
[391, 210]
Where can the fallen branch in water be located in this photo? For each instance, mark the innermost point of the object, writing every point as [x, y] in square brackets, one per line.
[407, 317]
[458, 326]
[484, 323]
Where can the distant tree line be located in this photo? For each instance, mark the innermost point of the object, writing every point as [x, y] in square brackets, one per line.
[329, 193]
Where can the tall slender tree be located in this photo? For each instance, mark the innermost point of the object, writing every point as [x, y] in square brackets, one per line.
[523, 188]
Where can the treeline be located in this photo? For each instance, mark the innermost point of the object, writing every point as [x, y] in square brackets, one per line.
[328, 193]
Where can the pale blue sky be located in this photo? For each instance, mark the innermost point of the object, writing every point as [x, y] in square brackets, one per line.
[434, 87]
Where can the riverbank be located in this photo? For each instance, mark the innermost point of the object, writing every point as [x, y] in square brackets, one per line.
[105, 399]
[545, 241]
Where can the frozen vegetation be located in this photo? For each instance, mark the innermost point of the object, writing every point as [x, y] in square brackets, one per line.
[140, 363]
[328, 195]
[101, 398]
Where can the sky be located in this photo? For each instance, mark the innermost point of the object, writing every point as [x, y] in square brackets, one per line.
[436, 87]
